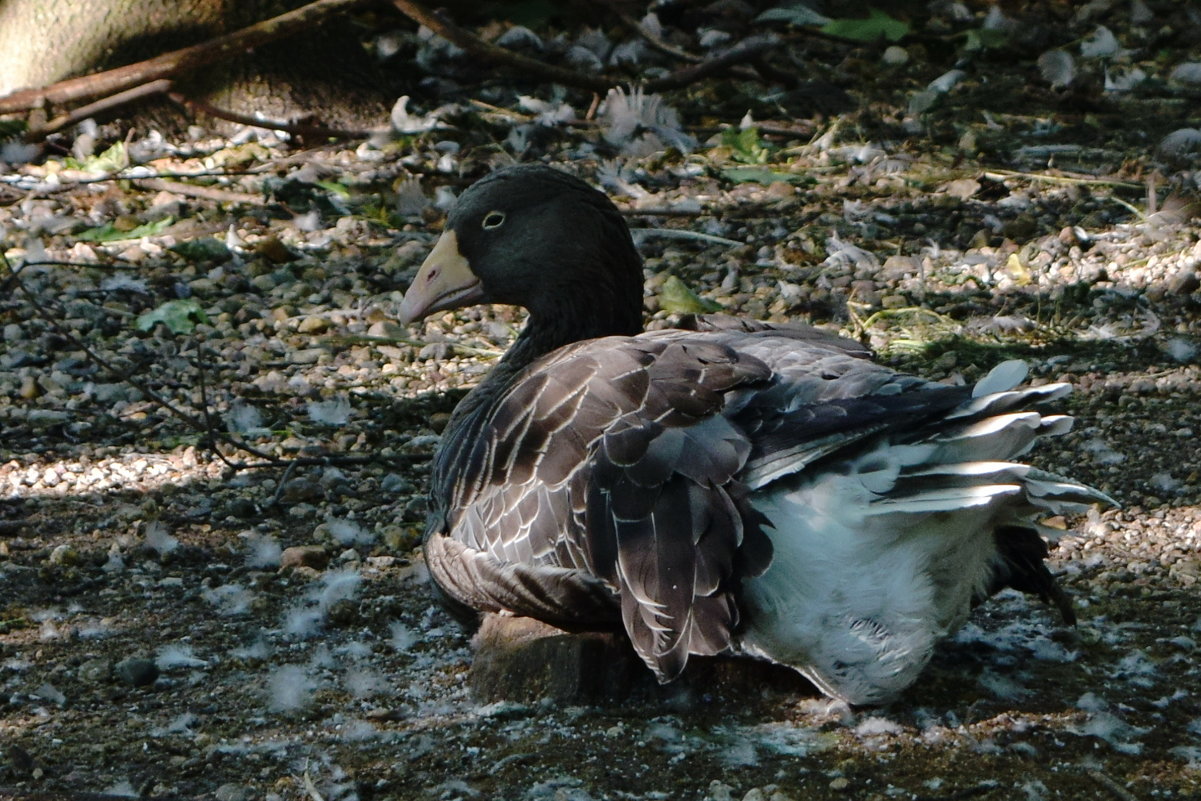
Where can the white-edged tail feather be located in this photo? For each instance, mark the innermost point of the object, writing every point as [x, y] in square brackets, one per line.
[883, 550]
[1005, 376]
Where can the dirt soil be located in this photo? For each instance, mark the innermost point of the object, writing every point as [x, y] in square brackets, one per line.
[257, 625]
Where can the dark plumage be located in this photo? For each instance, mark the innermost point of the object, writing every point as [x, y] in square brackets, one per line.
[739, 487]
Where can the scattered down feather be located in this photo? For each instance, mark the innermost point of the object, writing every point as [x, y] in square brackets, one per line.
[726, 487]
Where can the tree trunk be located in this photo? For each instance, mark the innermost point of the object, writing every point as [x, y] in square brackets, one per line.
[323, 75]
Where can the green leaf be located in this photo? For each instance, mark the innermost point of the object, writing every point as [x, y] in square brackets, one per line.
[793, 14]
[336, 188]
[180, 316]
[762, 175]
[746, 145]
[111, 160]
[877, 25]
[109, 233]
[676, 298]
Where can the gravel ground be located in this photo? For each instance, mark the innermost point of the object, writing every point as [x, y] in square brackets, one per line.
[181, 625]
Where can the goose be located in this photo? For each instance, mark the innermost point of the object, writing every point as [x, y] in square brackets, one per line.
[726, 487]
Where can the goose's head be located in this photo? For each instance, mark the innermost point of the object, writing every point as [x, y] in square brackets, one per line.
[535, 237]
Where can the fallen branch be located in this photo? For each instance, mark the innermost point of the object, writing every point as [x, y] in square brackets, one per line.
[105, 104]
[1106, 781]
[295, 128]
[169, 65]
[746, 50]
[475, 46]
[652, 38]
[203, 192]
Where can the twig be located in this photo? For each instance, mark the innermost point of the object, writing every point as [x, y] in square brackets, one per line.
[460, 37]
[653, 40]
[1118, 791]
[203, 192]
[124, 375]
[746, 50]
[105, 104]
[205, 426]
[962, 792]
[676, 233]
[1069, 180]
[201, 426]
[279, 488]
[168, 65]
[294, 128]
[21, 182]
[366, 339]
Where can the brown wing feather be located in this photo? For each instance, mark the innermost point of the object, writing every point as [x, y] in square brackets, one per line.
[610, 458]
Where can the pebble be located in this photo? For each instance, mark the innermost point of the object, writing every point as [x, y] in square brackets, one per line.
[95, 671]
[136, 671]
[63, 555]
[303, 489]
[231, 792]
[311, 556]
[313, 325]
[1183, 282]
[30, 389]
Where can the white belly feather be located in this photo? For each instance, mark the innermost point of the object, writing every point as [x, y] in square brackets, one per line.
[879, 556]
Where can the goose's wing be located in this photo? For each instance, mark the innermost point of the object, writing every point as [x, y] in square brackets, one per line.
[602, 480]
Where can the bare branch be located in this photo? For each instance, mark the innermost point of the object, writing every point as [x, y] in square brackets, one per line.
[469, 42]
[745, 50]
[296, 128]
[168, 65]
[104, 104]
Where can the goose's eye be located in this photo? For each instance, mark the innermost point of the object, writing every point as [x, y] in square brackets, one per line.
[493, 219]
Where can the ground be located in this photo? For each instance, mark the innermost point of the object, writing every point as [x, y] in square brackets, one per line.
[175, 624]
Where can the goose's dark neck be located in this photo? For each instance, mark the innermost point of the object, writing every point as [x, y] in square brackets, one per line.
[601, 315]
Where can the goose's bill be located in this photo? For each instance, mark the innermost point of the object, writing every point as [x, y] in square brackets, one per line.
[444, 281]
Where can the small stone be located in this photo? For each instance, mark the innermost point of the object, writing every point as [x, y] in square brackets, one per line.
[30, 388]
[263, 283]
[274, 250]
[342, 612]
[302, 489]
[400, 538]
[136, 671]
[1184, 282]
[95, 671]
[386, 329]
[311, 556]
[63, 555]
[895, 56]
[313, 324]
[840, 784]
[231, 792]
[395, 483]
[242, 507]
[719, 791]
[307, 355]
